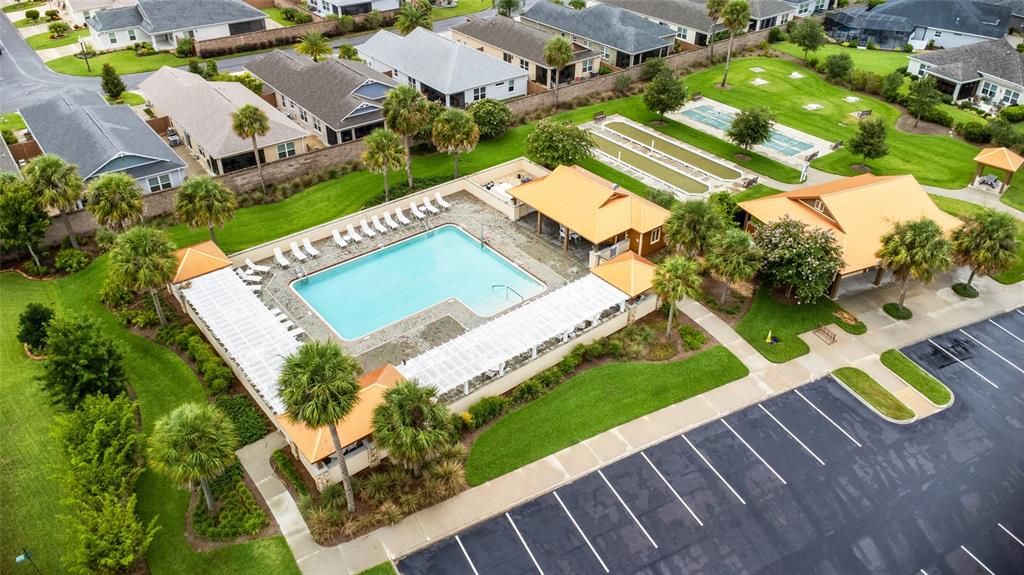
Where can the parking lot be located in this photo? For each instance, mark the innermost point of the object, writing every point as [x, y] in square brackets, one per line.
[809, 481]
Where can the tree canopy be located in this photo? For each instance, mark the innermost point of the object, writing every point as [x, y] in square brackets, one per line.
[871, 140]
[81, 361]
[412, 425]
[808, 34]
[203, 201]
[915, 249]
[115, 200]
[986, 243]
[751, 127]
[455, 133]
[555, 143]
[923, 97]
[802, 259]
[675, 278]
[664, 93]
[693, 226]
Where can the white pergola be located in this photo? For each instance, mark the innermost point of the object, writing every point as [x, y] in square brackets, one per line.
[489, 347]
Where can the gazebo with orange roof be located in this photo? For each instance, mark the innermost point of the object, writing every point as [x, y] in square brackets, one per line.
[199, 260]
[632, 274]
[1003, 159]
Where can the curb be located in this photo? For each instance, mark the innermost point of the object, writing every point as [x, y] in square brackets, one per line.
[832, 376]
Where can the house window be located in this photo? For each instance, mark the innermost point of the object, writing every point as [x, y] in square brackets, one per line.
[989, 90]
[818, 205]
[524, 64]
[511, 86]
[785, 18]
[588, 66]
[479, 93]
[316, 124]
[131, 34]
[285, 150]
[655, 236]
[1010, 97]
[682, 33]
[506, 57]
[112, 37]
[605, 53]
[804, 8]
[190, 34]
[938, 34]
[302, 114]
[159, 183]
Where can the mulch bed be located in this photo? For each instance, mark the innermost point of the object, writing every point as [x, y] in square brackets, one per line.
[201, 544]
[742, 298]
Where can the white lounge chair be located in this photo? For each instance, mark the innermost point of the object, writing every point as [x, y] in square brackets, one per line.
[352, 235]
[381, 228]
[338, 239]
[390, 222]
[287, 323]
[247, 276]
[313, 252]
[366, 229]
[416, 211]
[275, 310]
[441, 201]
[401, 217]
[255, 288]
[254, 267]
[280, 259]
[297, 332]
[297, 253]
[430, 207]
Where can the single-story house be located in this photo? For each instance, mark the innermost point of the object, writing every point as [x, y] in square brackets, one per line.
[326, 8]
[919, 23]
[690, 20]
[442, 69]
[78, 11]
[857, 211]
[517, 43]
[805, 8]
[99, 138]
[338, 100]
[200, 111]
[992, 71]
[623, 38]
[1016, 13]
[587, 205]
[163, 22]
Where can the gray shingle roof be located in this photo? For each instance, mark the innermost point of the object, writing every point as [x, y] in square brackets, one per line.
[157, 16]
[994, 58]
[81, 128]
[7, 163]
[964, 16]
[442, 64]
[692, 14]
[515, 38]
[603, 23]
[324, 88]
[1016, 6]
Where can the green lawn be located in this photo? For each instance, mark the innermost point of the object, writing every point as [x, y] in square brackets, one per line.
[464, 7]
[880, 62]
[18, 7]
[276, 14]
[786, 322]
[11, 121]
[43, 41]
[382, 569]
[960, 209]
[591, 402]
[754, 192]
[644, 163]
[936, 160]
[872, 392]
[25, 22]
[129, 99]
[916, 377]
[31, 488]
[124, 61]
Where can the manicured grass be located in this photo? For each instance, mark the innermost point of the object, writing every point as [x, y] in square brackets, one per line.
[960, 209]
[277, 15]
[382, 569]
[25, 22]
[897, 311]
[880, 62]
[872, 392]
[754, 192]
[43, 41]
[124, 61]
[918, 378]
[1014, 195]
[908, 153]
[667, 147]
[463, 8]
[12, 121]
[594, 401]
[22, 6]
[31, 485]
[786, 322]
[129, 99]
[643, 163]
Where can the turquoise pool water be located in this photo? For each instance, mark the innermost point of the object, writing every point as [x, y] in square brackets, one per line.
[722, 119]
[360, 296]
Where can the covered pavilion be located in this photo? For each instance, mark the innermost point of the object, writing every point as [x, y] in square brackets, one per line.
[1002, 159]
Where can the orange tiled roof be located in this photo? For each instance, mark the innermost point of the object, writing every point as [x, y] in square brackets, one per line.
[630, 273]
[198, 260]
[1002, 158]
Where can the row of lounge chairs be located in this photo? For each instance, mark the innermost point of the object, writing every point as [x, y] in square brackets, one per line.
[293, 330]
[251, 274]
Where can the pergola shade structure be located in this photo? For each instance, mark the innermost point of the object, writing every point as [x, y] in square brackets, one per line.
[1003, 159]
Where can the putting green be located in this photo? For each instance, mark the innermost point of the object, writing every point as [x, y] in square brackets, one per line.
[676, 151]
[645, 164]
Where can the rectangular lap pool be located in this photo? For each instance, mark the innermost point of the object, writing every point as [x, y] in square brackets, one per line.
[722, 119]
[362, 295]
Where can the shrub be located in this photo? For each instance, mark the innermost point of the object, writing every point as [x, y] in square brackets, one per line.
[34, 270]
[897, 311]
[52, 14]
[491, 116]
[938, 116]
[58, 29]
[975, 132]
[527, 391]
[838, 67]
[1012, 113]
[186, 47]
[373, 20]
[604, 69]
[693, 338]
[33, 324]
[105, 239]
[114, 295]
[8, 136]
[813, 62]
[81, 361]
[303, 18]
[289, 14]
[32, 15]
[238, 513]
[964, 290]
[908, 48]
[71, 260]
[487, 409]
[249, 421]
[652, 68]
[871, 45]
[286, 467]
[775, 35]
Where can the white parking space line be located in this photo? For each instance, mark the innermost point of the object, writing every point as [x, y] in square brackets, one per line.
[1003, 527]
[582, 534]
[795, 438]
[712, 467]
[957, 359]
[626, 507]
[672, 489]
[466, 555]
[525, 546]
[978, 561]
[756, 454]
[1008, 332]
[822, 413]
[996, 353]
[1020, 312]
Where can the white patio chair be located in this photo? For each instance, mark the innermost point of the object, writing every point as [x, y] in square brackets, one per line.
[338, 239]
[366, 229]
[381, 228]
[280, 259]
[430, 207]
[247, 277]
[441, 201]
[401, 217]
[313, 252]
[352, 235]
[297, 253]
[255, 288]
[416, 211]
[390, 222]
[256, 268]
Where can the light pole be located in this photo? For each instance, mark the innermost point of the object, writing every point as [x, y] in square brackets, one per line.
[26, 555]
[85, 55]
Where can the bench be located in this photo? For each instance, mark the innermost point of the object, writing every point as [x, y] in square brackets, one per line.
[696, 96]
[837, 145]
[599, 117]
[826, 335]
[750, 182]
[862, 113]
[811, 157]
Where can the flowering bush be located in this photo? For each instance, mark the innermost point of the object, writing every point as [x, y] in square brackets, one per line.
[802, 259]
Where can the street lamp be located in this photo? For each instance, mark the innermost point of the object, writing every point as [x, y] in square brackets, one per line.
[26, 557]
[85, 55]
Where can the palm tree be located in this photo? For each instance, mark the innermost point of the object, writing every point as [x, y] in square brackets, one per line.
[57, 185]
[412, 15]
[195, 442]
[412, 425]
[735, 18]
[675, 278]
[313, 44]
[987, 243]
[733, 258]
[714, 9]
[693, 227]
[142, 259]
[319, 388]
[507, 7]
[250, 122]
[384, 152]
[557, 54]
[406, 112]
[456, 133]
[115, 200]
[203, 201]
[914, 249]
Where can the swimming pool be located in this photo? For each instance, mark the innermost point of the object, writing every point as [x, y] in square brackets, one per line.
[722, 119]
[362, 295]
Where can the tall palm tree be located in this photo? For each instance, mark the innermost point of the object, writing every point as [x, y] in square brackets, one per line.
[455, 133]
[195, 442]
[251, 122]
[713, 8]
[735, 18]
[384, 152]
[557, 54]
[412, 425]
[914, 249]
[734, 258]
[987, 243]
[315, 45]
[115, 200]
[407, 113]
[412, 15]
[319, 387]
[203, 201]
[675, 278]
[693, 226]
[57, 185]
[142, 259]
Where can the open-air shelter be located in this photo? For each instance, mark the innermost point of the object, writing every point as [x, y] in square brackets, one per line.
[1003, 159]
[198, 260]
